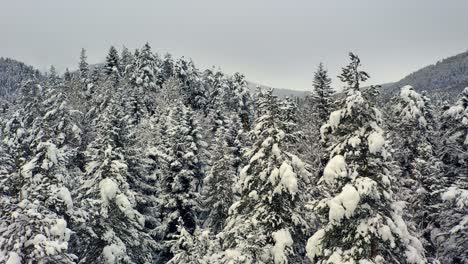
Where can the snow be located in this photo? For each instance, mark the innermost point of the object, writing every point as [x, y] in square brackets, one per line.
[354, 141]
[113, 253]
[454, 194]
[253, 195]
[282, 240]
[28, 167]
[13, 258]
[288, 178]
[335, 168]
[366, 186]
[344, 204]
[108, 190]
[314, 244]
[334, 119]
[376, 142]
[276, 151]
[52, 153]
[273, 176]
[60, 230]
[64, 194]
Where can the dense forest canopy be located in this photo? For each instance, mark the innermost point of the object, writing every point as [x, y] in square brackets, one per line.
[148, 159]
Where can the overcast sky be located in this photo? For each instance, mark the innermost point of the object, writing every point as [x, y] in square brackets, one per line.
[275, 43]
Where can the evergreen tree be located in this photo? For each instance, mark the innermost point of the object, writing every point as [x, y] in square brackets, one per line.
[145, 69]
[83, 65]
[36, 227]
[127, 60]
[361, 222]
[112, 65]
[113, 231]
[167, 66]
[67, 75]
[193, 90]
[261, 225]
[53, 78]
[240, 100]
[322, 95]
[181, 177]
[412, 132]
[219, 185]
[451, 237]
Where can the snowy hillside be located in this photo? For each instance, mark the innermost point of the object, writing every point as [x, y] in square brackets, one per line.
[444, 79]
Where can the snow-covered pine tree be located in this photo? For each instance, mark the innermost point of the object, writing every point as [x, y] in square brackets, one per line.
[193, 91]
[412, 133]
[322, 94]
[83, 65]
[53, 78]
[112, 65]
[289, 118]
[36, 226]
[167, 67]
[145, 69]
[240, 100]
[181, 176]
[361, 222]
[113, 231]
[219, 192]
[126, 61]
[14, 150]
[270, 213]
[452, 235]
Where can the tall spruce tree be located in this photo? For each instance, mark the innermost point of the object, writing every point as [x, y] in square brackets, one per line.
[262, 224]
[181, 177]
[35, 227]
[83, 65]
[361, 222]
[322, 94]
[452, 235]
[219, 191]
[112, 65]
[145, 69]
[412, 131]
[113, 231]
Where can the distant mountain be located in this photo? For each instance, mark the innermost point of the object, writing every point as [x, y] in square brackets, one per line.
[445, 79]
[280, 92]
[12, 74]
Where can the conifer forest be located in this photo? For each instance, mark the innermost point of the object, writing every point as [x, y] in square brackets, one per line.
[146, 157]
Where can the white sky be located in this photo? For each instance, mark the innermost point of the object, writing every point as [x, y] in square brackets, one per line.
[275, 43]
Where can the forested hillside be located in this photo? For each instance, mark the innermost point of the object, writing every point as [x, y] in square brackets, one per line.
[444, 79]
[149, 159]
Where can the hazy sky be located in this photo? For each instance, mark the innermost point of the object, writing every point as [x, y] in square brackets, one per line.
[275, 43]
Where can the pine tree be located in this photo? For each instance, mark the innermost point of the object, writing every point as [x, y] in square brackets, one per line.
[113, 232]
[112, 65]
[322, 95]
[167, 66]
[67, 75]
[181, 177]
[127, 60]
[83, 65]
[145, 69]
[193, 91]
[36, 227]
[53, 78]
[412, 132]
[219, 191]
[289, 117]
[451, 237]
[360, 221]
[261, 225]
[240, 100]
